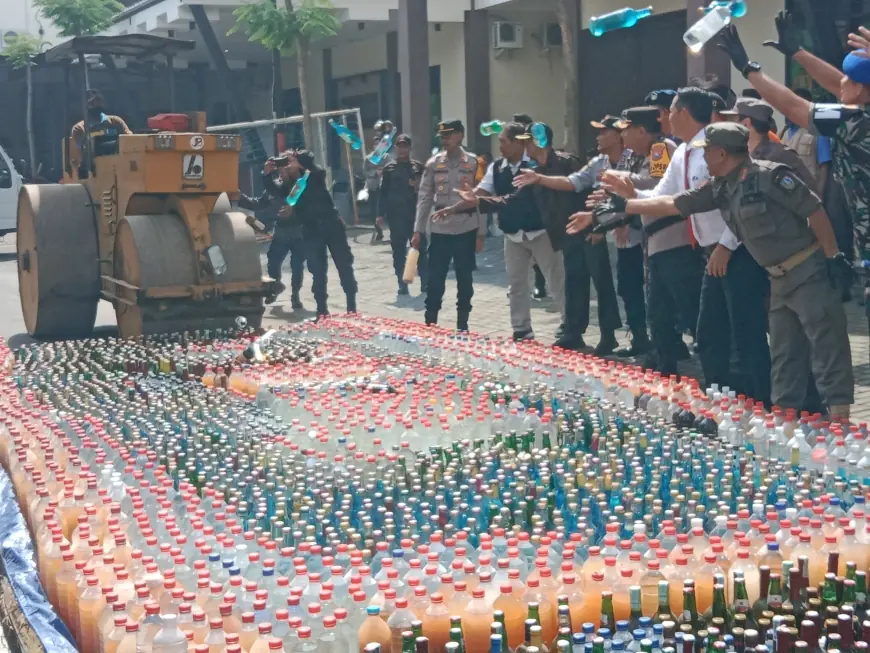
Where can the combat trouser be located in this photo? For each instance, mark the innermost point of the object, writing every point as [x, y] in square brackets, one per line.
[442, 250]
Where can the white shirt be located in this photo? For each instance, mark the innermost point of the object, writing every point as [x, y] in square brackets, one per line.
[709, 227]
[487, 184]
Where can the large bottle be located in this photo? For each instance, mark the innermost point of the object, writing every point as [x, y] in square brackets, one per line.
[619, 19]
[170, 638]
[697, 36]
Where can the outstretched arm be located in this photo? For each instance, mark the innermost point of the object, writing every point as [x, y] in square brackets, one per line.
[654, 207]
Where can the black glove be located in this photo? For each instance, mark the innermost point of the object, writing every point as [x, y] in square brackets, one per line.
[729, 41]
[840, 271]
[608, 214]
[789, 38]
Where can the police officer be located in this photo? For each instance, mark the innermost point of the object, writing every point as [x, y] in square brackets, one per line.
[397, 205]
[104, 129]
[662, 100]
[587, 257]
[455, 237]
[287, 236]
[322, 230]
[674, 267]
[756, 115]
[783, 225]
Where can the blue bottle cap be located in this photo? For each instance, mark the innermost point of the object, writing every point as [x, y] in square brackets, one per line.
[373, 610]
[617, 645]
[604, 633]
[622, 625]
[588, 628]
[638, 633]
[578, 638]
[644, 622]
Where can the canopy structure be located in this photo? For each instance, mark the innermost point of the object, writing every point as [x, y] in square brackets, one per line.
[137, 46]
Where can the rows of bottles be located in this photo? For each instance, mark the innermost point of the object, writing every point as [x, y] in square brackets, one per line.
[366, 482]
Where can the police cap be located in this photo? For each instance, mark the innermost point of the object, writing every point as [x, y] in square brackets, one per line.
[523, 118]
[451, 126]
[646, 117]
[730, 136]
[541, 129]
[662, 98]
[609, 122]
[403, 139]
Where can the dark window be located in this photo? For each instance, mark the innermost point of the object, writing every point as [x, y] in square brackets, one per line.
[5, 174]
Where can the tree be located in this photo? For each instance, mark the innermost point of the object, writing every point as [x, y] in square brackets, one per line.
[20, 51]
[569, 63]
[80, 17]
[288, 28]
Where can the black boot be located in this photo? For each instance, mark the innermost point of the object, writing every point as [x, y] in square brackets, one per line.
[351, 303]
[431, 317]
[607, 344]
[295, 302]
[462, 320]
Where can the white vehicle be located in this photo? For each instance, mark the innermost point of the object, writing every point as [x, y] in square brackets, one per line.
[10, 184]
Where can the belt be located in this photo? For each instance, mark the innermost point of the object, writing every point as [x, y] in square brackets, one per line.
[780, 270]
[468, 212]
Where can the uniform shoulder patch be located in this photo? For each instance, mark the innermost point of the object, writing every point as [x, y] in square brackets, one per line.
[786, 181]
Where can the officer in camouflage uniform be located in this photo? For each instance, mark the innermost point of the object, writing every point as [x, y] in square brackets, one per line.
[455, 235]
[784, 227]
[848, 125]
[397, 204]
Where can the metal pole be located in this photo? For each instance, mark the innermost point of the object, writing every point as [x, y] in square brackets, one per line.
[170, 70]
[350, 175]
[86, 144]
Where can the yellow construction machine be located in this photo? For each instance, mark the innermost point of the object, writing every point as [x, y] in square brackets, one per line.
[139, 228]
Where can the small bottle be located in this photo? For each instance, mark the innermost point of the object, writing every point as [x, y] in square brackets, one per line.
[618, 19]
[492, 128]
[297, 190]
[736, 7]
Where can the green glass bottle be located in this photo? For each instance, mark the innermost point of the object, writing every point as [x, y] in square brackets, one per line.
[663, 612]
[408, 639]
[774, 595]
[740, 605]
[598, 645]
[535, 612]
[636, 613]
[417, 628]
[829, 590]
[719, 607]
[763, 588]
[690, 615]
[608, 620]
[456, 636]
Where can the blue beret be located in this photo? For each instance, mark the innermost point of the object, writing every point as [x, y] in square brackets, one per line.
[857, 67]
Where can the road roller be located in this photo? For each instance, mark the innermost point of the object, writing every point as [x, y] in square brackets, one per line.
[139, 227]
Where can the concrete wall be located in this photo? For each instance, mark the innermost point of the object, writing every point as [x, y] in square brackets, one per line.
[447, 49]
[21, 16]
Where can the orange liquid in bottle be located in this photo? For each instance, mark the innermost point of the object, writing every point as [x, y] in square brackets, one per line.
[514, 615]
[476, 622]
[375, 629]
[703, 593]
[436, 625]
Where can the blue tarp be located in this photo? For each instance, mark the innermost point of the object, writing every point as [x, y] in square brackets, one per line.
[29, 619]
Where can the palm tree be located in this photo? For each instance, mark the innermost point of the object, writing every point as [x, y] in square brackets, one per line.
[288, 28]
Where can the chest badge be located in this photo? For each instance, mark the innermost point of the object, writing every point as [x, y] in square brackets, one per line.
[744, 174]
[787, 182]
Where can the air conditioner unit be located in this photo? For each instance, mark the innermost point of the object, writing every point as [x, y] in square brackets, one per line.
[507, 36]
[552, 37]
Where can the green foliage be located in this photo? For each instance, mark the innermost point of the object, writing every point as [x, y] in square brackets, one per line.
[80, 17]
[21, 49]
[277, 29]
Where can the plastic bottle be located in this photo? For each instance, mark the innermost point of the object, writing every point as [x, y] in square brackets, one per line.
[298, 188]
[382, 148]
[436, 623]
[374, 629]
[706, 28]
[618, 19]
[736, 7]
[90, 609]
[399, 622]
[170, 639]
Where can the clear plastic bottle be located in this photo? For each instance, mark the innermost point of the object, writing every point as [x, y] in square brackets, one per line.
[170, 638]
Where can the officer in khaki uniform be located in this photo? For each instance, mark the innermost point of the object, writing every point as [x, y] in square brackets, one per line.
[784, 227]
[455, 236]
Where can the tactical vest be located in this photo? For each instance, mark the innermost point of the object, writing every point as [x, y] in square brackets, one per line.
[521, 214]
[805, 144]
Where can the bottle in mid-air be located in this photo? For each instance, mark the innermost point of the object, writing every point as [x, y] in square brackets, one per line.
[619, 19]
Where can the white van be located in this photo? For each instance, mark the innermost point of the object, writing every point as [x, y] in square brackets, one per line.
[10, 184]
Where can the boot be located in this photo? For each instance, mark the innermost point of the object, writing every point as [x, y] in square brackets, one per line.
[431, 317]
[403, 287]
[462, 320]
[607, 344]
[351, 303]
[295, 302]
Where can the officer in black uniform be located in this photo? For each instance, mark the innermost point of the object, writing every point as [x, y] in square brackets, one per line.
[287, 236]
[662, 101]
[397, 204]
[322, 229]
[540, 292]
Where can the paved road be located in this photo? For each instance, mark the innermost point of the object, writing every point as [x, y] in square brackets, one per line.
[378, 297]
